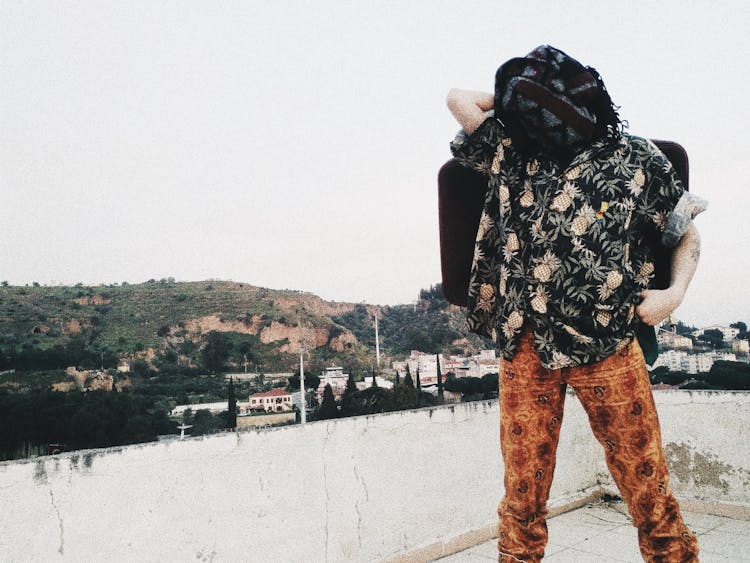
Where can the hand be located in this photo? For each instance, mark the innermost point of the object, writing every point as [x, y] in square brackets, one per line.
[658, 304]
[469, 107]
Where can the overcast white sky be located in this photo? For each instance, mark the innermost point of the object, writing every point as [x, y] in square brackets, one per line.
[296, 144]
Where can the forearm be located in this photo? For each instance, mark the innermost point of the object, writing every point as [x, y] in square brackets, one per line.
[685, 260]
[469, 107]
[658, 304]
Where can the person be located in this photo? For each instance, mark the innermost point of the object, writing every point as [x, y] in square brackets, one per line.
[564, 257]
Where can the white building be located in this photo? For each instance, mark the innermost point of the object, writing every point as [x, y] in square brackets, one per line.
[382, 382]
[476, 366]
[674, 340]
[275, 400]
[730, 333]
[678, 360]
[336, 378]
[741, 346]
[671, 359]
[214, 408]
[702, 363]
[427, 366]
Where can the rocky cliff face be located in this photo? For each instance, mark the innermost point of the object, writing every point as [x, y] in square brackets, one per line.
[91, 380]
[289, 337]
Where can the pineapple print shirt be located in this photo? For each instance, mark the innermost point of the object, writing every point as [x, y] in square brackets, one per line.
[568, 249]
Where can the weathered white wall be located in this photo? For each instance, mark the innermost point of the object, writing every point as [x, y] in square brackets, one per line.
[356, 489]
[707, 443]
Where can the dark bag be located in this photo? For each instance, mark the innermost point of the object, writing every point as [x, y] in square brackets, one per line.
[460, 202]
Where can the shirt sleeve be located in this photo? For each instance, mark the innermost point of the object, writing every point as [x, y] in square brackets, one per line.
[478, 150]
[670, 207]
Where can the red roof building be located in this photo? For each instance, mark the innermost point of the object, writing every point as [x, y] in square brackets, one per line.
[276, 400]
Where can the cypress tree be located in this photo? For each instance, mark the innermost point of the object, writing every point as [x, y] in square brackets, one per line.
[232, 406]
[419, 389]
[351, 387]
[374, 380]
[327, 408]
[408, 381]
[398, 381]
[441, 398]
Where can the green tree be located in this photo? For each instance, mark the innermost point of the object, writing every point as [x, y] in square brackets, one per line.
[231, 406]
[441, 398]
[742, 327]
[408, 381]
[669, 377]
[351, 387]
[729, 375]
[204, 423]
[187, 415]
[713, 336]
[215, 351]
[140, 368]
[471, 388]
[138, 429]
[327, 408]
[657, 374]
[490, 385]
[434, 292]
[312, 382]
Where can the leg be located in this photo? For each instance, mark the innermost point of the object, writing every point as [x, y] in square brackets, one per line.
[531, 409]
[616, 394]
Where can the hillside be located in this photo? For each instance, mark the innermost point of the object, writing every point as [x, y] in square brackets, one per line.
[173, 326]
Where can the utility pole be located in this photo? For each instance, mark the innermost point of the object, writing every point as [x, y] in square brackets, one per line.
[303, 413]
[377, 342]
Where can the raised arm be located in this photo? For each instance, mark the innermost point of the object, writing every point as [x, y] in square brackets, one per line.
[658, 304]
[469, 107]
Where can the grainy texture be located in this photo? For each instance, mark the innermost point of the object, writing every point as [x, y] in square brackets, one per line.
[616, 395]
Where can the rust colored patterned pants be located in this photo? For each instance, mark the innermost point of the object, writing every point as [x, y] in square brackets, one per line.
[616, 395]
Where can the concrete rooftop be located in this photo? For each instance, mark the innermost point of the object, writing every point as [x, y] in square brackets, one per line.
[602, 532]
[402, 487]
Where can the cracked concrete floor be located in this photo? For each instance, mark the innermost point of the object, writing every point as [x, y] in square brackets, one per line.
[602, 532]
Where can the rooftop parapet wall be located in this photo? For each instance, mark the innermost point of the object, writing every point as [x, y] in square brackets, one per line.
[356, 489]
[705, 437]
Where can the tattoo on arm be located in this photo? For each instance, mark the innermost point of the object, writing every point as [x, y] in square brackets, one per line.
[695, 252]
[685, 259]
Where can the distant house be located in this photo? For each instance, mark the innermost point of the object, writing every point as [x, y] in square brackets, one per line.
[741, 347]
[275, 400]
[336, 378]
[729, 332]
[367, 382]
[214, 408]
[674, 341]
[671, 359]
[483, 363]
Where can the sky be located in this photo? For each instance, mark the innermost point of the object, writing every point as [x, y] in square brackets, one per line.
[295, 145]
